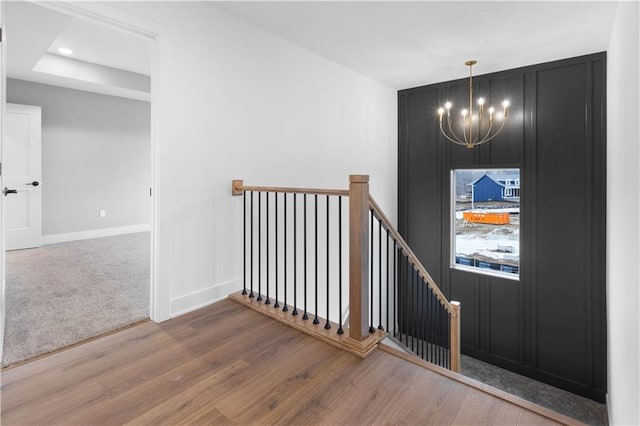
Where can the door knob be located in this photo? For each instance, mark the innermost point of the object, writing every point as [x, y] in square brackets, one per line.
[34, 183]
[8, 191]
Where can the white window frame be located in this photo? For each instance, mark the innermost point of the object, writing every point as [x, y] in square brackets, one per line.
[452, 231]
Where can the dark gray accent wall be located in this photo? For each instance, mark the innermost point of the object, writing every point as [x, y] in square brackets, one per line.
[550, 325]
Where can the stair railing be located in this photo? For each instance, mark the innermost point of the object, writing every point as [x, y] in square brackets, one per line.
[426, 322]
[295, 246]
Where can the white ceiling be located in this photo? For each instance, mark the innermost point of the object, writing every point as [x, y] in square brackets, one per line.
[105, 60]
[408, 44]
[401, 44]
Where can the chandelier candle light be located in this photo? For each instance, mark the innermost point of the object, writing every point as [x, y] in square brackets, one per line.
[476, 128]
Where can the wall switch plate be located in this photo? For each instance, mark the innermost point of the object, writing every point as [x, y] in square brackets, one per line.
[103, 213]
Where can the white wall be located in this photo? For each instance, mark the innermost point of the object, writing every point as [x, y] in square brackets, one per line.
[623, 230]
[231, 101]
[96, 154]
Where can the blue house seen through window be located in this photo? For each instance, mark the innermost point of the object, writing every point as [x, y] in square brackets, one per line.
[488, 188]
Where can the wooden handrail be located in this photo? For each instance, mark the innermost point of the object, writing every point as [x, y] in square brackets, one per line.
[386, 223]
[238, 186]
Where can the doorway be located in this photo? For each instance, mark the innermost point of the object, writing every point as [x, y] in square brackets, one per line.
[89, 273]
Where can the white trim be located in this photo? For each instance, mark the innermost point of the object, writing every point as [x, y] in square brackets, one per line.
[3, 105]
[201, 298]
[97, 13]
[159, 293]
[485, 271]
[94, 233]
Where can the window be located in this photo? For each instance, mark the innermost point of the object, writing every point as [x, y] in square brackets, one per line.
[485, 221]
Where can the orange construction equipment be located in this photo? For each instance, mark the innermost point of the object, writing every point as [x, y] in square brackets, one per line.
[491, 218]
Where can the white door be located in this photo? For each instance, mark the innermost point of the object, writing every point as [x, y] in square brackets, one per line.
[22, 176]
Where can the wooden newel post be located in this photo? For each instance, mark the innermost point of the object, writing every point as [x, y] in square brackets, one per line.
[358, 257]
[237, 187]
[455, 336]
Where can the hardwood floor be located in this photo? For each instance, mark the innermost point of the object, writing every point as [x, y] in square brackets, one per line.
[226, 364]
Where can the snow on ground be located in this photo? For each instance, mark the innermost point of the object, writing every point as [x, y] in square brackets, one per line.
[489, 246]
[493, 243]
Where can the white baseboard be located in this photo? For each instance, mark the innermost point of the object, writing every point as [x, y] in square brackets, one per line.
[201, 298]
[94, 233]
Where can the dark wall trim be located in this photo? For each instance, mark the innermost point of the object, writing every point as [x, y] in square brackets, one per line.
[551, 325]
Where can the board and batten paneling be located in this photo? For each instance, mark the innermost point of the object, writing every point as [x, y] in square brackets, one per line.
[549, 325]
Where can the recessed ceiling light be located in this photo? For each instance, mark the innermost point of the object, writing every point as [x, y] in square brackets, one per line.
[65, 51]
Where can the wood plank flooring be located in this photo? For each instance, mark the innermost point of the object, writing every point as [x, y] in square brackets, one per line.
[226, 364]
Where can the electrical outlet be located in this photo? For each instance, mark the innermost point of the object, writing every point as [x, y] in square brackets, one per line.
[103, 213]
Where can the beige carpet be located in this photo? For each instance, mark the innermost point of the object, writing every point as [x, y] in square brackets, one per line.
[64, 293]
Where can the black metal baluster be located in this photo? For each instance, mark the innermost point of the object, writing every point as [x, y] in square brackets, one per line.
[408, 301]
[244, 242]
[410, 307]
[387, 272]
[251, 243]
[327, 324]
[315, 230]
[259, 247]
[275, 196]
[417, 319]
[340, 330]
[442, 343]
[285, 308]
[420, 319]
[448, 340]
[445, 334]
[371, 327]
[425, 321]
[414, 281]
[427, 313]
[408, 298]
[400, 307]
[439, 347]
[439, 333]
[395, 289]
[428, 328]
[380, 327]
[434, 329]
[425, 331]
[267, 300]
[305, 316]
[405, 302]
[295, 255]
[444, 337]
[440, 329]
[427, 292]
[416, 315]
